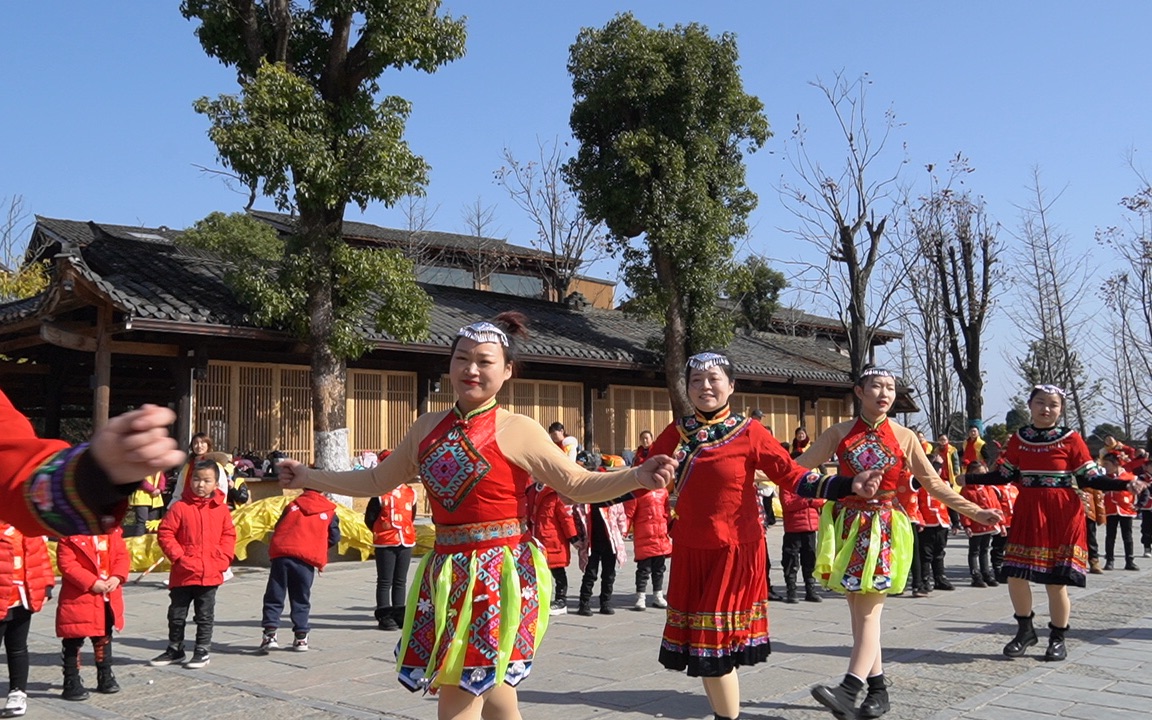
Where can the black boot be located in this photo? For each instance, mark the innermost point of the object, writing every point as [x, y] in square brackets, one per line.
[106, 680]
[385, 619]
[810, 593]
[990, 579]
[942, 582]
[1025, 637]
[398, 612]
[73, 685]
[876, 701]
[790, 591]
[774, 596]
[585, 608]
[1056, 650]
[841, 699]
[978, 580]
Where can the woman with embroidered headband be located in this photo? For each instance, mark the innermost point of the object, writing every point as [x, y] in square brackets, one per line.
[865, 545]
[479, 605]
[1047, 542]
[717, 592]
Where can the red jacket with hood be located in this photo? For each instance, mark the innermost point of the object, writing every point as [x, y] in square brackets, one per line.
[302, 532]
[35, 568]
[801, 514]
[79, 611]
[198, 536]
[550, 522]
[650, 513]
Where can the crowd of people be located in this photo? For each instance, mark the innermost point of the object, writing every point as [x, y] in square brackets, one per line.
[510, 501]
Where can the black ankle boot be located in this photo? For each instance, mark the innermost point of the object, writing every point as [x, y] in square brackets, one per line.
[1056, 650]
[841, 699]
[1025, 637]
[790, 592]
[978, 580]
[385, 620]
[876, 701]
[106, 680]
[810, 594]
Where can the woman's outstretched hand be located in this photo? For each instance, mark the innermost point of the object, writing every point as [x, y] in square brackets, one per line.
[656, 472]
[292, 474]
[867, 483]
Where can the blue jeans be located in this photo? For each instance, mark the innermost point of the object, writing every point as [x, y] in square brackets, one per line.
[291, 577]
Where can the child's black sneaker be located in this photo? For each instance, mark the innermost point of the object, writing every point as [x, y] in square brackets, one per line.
[200, 658]
[171, 654]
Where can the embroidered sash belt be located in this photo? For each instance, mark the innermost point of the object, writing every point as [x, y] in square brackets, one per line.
[452, 538]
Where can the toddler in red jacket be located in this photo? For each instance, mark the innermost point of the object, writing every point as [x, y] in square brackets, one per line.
[197, 535]
[93, 569]
[798, 551]
[298, 549]
[649, 514]
[25, 576]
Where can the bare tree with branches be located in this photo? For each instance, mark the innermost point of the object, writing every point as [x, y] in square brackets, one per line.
[1049, 314]
[563, 230]
[417, 246]
[18, 280]
[1128, 295]
[485, 254]
[957, 242]
[844, 213]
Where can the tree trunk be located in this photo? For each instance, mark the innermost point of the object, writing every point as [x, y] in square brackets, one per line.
[319, 229]
[675, 335]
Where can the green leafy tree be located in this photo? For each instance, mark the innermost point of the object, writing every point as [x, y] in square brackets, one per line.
[1018, 416]
[310, 130]
[663, 123]
[997, 432]
[1105, 429]
[17, 278]
[238, 236]
[754, 289]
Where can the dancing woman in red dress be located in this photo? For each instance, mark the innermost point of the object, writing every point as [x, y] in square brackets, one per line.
[1047, 543]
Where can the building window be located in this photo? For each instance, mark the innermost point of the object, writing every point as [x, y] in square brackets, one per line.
[450, 276]
[521, 285]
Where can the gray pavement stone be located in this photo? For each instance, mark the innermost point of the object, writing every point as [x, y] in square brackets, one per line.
[943, 654]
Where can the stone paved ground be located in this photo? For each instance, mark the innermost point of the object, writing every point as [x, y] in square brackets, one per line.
[942, 652]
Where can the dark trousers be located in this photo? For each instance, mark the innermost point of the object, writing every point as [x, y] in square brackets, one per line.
[392, 575]
[141, 514]
[292, 577]
[654, 567]
[596, 560]
[917, 571]
[980, 555]
[933, 540]
[560, 584]
[798, 553]
[996, 553]
[202, 598]
[101, 646]
[1125, 525]
[1093, 543]
[14, 636]
[1146, 528]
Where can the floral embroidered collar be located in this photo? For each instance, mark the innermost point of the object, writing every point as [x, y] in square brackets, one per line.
[694, 421]
[1033, 434]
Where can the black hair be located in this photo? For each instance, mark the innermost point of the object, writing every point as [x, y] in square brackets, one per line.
[556, 427]
[871, 371]
[207, 465]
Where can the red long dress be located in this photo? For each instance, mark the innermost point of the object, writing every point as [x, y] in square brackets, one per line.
[1047, 542]
[717, 593]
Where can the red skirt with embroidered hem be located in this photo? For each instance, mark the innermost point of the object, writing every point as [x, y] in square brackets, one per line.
[1048, 541]
[717, 610]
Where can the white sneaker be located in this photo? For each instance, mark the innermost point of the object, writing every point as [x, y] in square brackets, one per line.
[300, 644]
[17, 704]
[228, 575]
[558, 608]
[639, 602]
[658, 599]
[1147, 552]
[267, 644]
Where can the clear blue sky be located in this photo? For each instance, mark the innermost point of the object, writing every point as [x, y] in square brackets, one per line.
[98, 122]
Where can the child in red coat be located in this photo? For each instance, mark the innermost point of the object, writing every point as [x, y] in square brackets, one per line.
[649, 514]
[550, 521]
[299, 549]
[1120, 507]
[980, 536]
[198, 536]
[392, 520]
[801, 519]
[25, 576]
[93, 569]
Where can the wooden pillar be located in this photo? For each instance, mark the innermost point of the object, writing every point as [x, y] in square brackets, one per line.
[102, 379]
[424, 382]
[53, 401]
[590, 393]
[183, 369]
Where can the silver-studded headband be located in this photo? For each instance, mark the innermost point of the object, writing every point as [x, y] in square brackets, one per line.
[876, 372]
[1049, 389]
[484, 332]
[707, 361]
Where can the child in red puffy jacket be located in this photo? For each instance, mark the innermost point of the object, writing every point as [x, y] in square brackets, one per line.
[980, 536]
[298, 550]
[197, 535]
[93, 569]
[798, 551]
[550, 521]
[649, 514]
[25, 576]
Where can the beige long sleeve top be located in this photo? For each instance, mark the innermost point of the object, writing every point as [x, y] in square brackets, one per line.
[828, 443]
